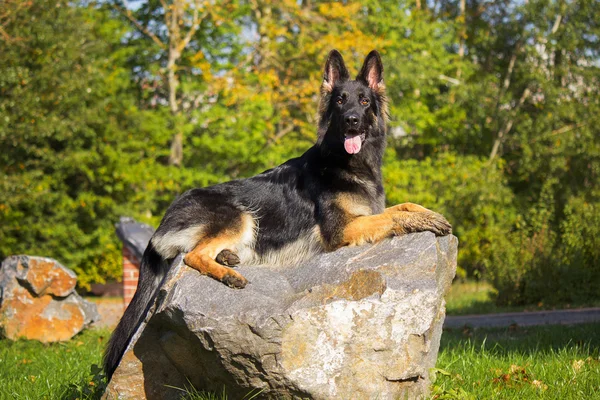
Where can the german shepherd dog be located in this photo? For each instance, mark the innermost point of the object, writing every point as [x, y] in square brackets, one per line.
[331, 196]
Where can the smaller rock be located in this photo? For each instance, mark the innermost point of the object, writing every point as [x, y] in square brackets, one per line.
[38, 300]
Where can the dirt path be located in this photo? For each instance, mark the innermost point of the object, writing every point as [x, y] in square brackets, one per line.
[553, 317]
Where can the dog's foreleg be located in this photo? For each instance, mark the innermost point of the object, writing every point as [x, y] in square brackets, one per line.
[367, 229]
[373, 228]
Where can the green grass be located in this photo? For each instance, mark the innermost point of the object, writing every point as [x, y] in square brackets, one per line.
[32, 370]
[557, 362]
[194, 394]
[551, 362]
[471, 297]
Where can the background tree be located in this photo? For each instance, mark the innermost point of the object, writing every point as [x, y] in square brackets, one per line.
[113, 108]
[77, 152]
[180, 58]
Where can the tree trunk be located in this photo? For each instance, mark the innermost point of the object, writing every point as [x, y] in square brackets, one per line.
[176, 155]
[463, 34]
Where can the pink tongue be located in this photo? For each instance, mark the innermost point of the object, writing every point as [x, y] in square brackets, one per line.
[352, 144]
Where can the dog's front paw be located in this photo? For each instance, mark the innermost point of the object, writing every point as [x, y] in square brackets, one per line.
[436, 223]
[234, 280]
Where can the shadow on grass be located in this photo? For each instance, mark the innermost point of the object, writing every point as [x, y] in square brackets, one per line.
[524, 340]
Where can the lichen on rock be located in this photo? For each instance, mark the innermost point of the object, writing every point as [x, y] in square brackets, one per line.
[38, 300]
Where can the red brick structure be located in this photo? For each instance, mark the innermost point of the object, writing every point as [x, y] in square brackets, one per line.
[131, 273]
[135, 237]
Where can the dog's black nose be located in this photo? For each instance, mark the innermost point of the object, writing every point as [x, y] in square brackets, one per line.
[352, 120]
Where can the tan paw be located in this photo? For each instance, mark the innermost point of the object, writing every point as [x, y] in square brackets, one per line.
[434, 222]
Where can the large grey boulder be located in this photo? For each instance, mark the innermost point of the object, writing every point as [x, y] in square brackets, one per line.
[358, 323]
[38, 300]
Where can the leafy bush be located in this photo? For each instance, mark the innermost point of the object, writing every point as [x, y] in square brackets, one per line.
[568, 271]
[544, 262]
[471, 194]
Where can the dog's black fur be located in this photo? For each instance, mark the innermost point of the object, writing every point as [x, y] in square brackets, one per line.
[329, 197]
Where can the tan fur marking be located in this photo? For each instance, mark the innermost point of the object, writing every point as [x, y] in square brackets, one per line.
[206, 265]
[368, 229]
[353, 206]
[412, 207]
[168, 246]
[326, 86]
[384, 101]
[202, 257]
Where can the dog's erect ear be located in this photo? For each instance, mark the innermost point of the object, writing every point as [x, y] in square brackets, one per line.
[335, 71]
[372, 71]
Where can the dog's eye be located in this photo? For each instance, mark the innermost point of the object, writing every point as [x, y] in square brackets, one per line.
[340, 100]
[364, 101]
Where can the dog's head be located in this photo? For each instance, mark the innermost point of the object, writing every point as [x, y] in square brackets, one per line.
[352, 112]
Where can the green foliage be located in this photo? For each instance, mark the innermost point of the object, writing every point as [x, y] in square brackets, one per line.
[569, 270]
[581, 234]
[420, 72]
[495, 116]
[464, 189]
[479, 297]
[541, 263]
[78, 150]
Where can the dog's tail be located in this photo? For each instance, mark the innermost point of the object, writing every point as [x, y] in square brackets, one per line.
[152, 271]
